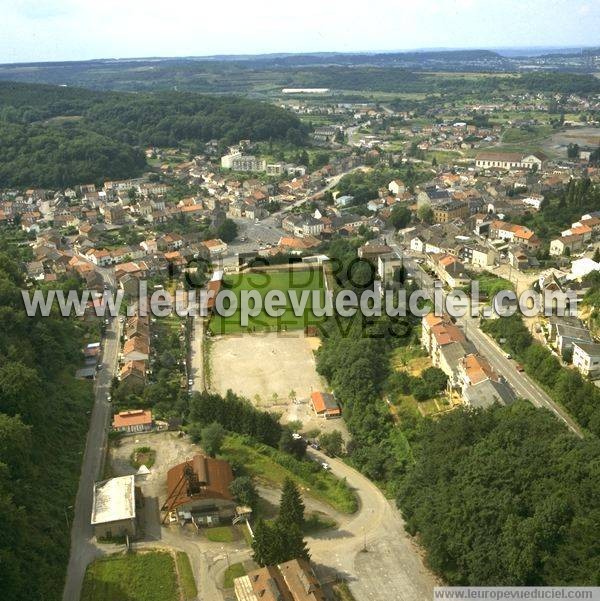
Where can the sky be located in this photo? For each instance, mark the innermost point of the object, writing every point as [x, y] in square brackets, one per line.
[50, 30]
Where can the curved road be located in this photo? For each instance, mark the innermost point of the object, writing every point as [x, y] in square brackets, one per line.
[391, 567]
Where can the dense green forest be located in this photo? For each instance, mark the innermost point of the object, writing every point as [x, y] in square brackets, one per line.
[62, 155]
[56, 136]
[43, 425]
[506, 496]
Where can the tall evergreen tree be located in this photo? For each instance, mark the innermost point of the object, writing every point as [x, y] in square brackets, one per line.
[291, 507]
[291, 543]
[264, 545]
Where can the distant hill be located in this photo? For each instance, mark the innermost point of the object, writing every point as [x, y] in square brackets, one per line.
[54, 136]
[263, 76]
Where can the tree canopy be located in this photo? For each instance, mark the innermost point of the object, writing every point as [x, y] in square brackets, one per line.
[43, 425]
[55, 136]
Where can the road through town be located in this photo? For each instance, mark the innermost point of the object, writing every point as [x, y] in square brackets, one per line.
[82, 548]
[520, 382]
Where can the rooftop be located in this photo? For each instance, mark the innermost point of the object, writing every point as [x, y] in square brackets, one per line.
[114, 500]
[214, 476]
[135, 417]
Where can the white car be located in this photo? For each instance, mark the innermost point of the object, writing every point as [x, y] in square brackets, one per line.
[190, 382]
[296, 436]
[325, 466]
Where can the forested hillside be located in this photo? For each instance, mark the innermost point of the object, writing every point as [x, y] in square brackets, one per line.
[43, 425]
[505, 497]
[55, 136]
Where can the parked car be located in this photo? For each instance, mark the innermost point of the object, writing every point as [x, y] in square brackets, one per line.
[325, 466]
[519, 367]
[315, 445]
[508, 356]
[296, 436]
[109, 398]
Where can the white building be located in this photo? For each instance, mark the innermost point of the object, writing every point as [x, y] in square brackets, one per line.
[397, 187]
[482, 256]
[586, 358]
[534, 200]
[237, 161]
[581, 267]
[509, 160]
[113, 507]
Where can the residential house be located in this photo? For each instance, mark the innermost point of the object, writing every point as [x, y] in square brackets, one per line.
[450, 270]
[136, 349]
[302, 225]
[216, 247]
[397, 187]
[567, 335]
[325, 405]
[372, 250]
[566, 245]
[133, 376]
[100, 257]
[517, 234]
[134, 420]
[586, 358]
[482, 256]
[293, 580]
[480, 385]
[114, 214]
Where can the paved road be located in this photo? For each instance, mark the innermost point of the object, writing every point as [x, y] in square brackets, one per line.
[391, 567]
[82, 548]
[269, 230]
[520, 382]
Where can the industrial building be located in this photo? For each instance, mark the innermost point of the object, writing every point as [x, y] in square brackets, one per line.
[113, 507]
[199, 489]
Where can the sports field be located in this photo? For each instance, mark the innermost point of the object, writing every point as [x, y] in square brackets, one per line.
[299, 281]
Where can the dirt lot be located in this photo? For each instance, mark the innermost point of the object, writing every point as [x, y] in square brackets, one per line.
[170, 450]
[268, 369]
[587, 137]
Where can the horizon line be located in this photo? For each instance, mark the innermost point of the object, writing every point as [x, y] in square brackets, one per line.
[283, 53]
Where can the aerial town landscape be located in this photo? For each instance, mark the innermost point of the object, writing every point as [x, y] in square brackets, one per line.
[166, 435]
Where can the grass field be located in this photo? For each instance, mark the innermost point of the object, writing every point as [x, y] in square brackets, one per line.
[132, 577]
[272, 466]
[220, 534]
[284, 281]
[186, 576]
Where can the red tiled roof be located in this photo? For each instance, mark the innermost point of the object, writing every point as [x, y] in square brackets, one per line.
[135, 417]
